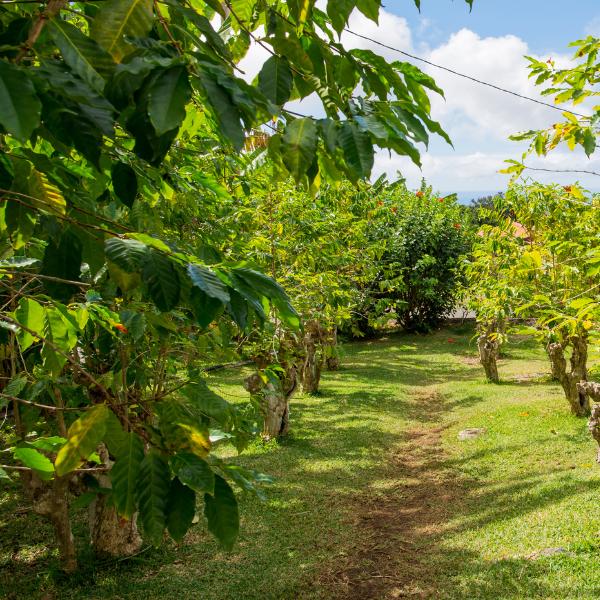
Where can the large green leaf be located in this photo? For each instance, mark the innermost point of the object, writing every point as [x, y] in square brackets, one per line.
[62, 260]
[161, 278]
[181, 509]
[275, 80]
[35, 460]
[119, 18]
[127, 254]
[299, 145]
[357, 150]
[168, 94]
[81, 53]
[194, 472]
[83, 437]
[20, 108]
[207, 402]
[153, 486]
[124, 475]
[61, 334]
[31, 315]
[125, 183]
[221, 512]
[206, 280]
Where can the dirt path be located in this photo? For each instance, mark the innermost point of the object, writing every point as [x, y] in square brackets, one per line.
[398, 553]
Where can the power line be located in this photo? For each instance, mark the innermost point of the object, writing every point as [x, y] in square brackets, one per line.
[474, 79]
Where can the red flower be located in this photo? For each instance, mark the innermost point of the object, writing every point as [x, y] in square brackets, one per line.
[419, 194]
[567, 188]
[121, 328]
[456, 225]
[451, 341]
[394, 209]
[440, 199]
[379, 203]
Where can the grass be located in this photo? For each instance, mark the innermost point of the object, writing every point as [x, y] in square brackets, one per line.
[376, 497]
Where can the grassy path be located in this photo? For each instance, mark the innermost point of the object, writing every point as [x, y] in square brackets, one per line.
[376, 498]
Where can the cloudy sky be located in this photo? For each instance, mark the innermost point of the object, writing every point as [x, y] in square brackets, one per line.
[488, 43]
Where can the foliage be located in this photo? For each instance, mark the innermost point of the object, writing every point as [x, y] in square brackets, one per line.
[109, 112]
[421, 239]
[574, 85]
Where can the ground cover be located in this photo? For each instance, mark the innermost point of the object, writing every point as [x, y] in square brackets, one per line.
[375, 496]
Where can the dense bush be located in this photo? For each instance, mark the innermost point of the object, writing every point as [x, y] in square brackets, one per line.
[421, 238]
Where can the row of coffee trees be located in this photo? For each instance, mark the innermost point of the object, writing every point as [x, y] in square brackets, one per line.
[146, 236]
[536, 262]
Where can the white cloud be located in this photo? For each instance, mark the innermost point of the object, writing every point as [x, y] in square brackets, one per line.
[478, 171]
[497, 60]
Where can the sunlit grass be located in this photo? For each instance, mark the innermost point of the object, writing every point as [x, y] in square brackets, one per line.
[529, 483]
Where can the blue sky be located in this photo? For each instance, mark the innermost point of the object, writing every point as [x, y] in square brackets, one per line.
[545, 24]
[489, 43]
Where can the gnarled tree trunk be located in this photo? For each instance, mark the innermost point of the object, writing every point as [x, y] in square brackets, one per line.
[591, 390]
[51, 500]
[273, 399]
[110, 534]
[578, 401]
[313, 357]
[489, 349]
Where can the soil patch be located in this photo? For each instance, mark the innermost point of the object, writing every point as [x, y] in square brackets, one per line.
[397, 552]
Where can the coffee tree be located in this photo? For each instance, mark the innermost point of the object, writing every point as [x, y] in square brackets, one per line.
[106, 109]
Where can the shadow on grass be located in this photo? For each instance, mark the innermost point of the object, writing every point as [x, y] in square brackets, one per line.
[355, 505]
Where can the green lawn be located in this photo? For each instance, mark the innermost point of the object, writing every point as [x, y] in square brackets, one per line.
[375, 497]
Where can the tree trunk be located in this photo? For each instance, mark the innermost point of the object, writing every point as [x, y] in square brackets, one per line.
[273, 399]
[313, 357]
[489, 348]
[555, 354]
[110, 534]
[332, 353]
[591, 390]
[578, 401]
[51, 500]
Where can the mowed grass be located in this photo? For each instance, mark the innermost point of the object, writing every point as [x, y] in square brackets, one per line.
[528, 484]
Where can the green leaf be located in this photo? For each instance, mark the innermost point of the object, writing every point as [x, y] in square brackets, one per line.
[194, 472]
[50, 444]
[161, 278]
[275, 80]
[83, 437]
[81, 53]
[116, 439]
[125, 183]
[204, 400]
[357, 149]
[16, 385]
[35, 460]
[119, 18]
[168, 95]
[31, 315]
[127, 254]
[299, 145]
[339, 11]
[204, 307]
[221, 512]
[59, 332]
[4, 475]
[64, 262]
[154, 483]
[124, 475]
[181, 509]
[206, 280]
[20, 108]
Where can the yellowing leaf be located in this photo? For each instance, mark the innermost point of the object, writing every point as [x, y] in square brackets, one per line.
[45, 195]
[83, 437]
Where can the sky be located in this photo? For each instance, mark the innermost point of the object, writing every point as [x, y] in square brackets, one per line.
[488, 43]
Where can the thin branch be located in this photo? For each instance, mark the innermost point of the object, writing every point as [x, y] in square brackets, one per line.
[52, 9]
[46, 277]
[584, 171]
